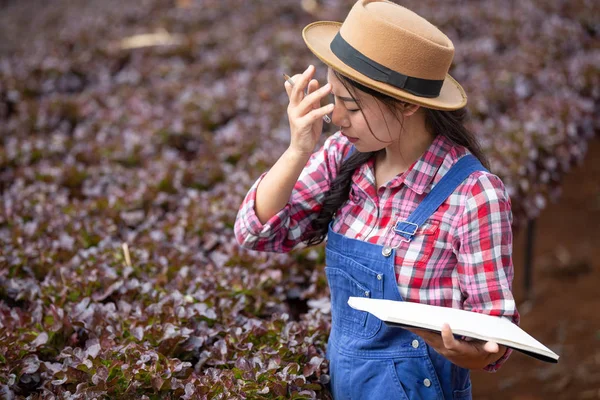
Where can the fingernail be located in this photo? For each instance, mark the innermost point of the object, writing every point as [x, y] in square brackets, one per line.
[308, 67]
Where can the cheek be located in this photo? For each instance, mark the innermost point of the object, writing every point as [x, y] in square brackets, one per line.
[358, 121]
[387, 129]
[394, 125]
[364, 130]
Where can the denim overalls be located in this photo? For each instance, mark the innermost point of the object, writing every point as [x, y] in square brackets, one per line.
[369, 360]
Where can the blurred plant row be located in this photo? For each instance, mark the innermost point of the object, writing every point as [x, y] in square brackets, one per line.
[103, 144]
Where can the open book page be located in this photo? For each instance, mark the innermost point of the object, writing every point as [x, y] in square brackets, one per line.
[465, 323]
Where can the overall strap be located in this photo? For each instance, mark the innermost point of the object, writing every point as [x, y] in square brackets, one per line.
[449, 182]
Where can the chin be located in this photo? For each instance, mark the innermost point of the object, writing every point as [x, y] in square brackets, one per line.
[363, 148]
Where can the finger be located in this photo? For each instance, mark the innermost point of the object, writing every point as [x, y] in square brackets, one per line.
[317, 114]
[450, 342]
[313, 100]
[300, 84]
[433, 339]
[491, 347]
[313, 86]
[288, 88]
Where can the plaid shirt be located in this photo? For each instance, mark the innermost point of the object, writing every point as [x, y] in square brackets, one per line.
[461, 257]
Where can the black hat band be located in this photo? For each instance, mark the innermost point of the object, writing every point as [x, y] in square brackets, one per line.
[353, 58]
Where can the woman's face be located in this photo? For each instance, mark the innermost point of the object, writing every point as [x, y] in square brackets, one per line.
[346, 114]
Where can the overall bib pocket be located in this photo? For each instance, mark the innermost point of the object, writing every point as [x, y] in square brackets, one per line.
[464, 394]
[418, 375]
[342, 286]
[393, 377]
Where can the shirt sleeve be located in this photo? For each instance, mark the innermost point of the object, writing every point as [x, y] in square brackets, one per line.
[282, 232]
[484, 253]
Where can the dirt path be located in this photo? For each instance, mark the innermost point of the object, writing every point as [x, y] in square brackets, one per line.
[564, 312]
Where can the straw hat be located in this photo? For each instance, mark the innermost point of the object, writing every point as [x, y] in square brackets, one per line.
[391, 49]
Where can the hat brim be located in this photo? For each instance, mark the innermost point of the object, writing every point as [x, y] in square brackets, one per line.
[318, 37]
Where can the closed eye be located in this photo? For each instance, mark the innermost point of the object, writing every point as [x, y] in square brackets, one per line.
[334, 98]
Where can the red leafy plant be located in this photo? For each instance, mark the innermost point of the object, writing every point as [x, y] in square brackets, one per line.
[156, 147]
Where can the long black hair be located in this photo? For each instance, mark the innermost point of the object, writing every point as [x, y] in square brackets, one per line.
[450, 124]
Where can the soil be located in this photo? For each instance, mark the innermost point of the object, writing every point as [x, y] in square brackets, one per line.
[562, 309]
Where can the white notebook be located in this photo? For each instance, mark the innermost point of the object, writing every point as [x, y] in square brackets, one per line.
[463, 323]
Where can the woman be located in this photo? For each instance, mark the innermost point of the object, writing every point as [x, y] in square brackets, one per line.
[401, 131]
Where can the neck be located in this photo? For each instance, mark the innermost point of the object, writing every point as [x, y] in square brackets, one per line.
[414, 141]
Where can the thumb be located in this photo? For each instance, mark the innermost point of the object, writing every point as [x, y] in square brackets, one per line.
[491, 347]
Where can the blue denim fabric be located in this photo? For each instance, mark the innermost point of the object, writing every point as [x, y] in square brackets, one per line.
[369, 360]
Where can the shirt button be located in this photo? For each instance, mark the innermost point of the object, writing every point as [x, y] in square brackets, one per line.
[415, 344]
[386, 251]
[426, 382]
[379, 277]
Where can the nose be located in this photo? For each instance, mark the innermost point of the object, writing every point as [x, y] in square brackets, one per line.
[339, 116]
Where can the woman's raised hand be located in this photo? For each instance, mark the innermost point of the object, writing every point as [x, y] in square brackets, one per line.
[305, 112]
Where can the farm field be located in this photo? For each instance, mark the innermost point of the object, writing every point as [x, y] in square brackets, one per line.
[130, 132]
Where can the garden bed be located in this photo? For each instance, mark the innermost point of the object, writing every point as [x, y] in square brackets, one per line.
[104, 142]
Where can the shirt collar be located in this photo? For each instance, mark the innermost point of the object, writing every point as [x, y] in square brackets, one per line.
[420, 175]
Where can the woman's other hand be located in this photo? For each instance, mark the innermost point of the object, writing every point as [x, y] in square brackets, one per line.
[471, 354]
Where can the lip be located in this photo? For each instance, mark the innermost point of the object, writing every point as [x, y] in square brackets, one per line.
[350, 138]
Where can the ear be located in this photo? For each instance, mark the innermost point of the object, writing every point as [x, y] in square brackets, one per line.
[408, 109]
